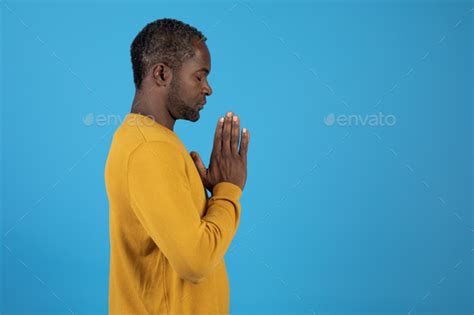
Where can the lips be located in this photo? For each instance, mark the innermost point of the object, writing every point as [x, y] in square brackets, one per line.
[201, 105]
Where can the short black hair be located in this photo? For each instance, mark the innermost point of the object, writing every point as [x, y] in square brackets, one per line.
[166, 40]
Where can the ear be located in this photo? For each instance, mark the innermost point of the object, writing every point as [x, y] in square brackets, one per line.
[162, 74]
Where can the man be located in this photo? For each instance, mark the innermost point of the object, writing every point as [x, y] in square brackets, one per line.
[167, 238]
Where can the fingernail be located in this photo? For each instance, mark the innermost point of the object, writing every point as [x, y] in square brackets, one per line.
[221, 119]
[244, 130]
[229, 114]
[235, 118]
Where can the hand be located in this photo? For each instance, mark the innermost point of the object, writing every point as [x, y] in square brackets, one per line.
[228, 162]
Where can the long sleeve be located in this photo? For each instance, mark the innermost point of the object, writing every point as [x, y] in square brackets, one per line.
[161, 198]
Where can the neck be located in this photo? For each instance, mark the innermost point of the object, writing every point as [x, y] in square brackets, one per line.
[154, 108]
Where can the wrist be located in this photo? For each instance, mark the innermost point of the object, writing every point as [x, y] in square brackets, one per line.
[228, 189]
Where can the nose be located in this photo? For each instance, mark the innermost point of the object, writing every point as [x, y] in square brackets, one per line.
[207, 89]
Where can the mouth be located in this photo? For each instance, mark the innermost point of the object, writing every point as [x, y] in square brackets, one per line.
[201, 105]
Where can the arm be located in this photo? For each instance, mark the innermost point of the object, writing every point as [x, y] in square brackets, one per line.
[162, 200]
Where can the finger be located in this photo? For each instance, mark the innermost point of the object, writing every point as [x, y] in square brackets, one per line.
[218, 136]
[244, 143]
[199, 164]
[234, 139]
[226, 134]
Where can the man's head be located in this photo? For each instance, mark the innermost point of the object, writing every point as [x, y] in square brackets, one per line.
[171, 61]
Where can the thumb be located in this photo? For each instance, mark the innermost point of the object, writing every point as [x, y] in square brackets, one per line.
[199, 164]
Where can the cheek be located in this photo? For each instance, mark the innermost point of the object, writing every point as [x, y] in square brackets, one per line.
[192, 87]
[194, 90]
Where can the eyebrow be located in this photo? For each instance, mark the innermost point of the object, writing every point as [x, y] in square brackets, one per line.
[204, 69]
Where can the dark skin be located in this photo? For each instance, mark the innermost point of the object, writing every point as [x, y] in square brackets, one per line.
[168, 95]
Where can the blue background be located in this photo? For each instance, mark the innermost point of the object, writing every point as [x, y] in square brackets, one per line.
[337, 219]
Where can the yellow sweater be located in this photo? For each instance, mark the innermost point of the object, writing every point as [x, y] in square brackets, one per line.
[167, 238]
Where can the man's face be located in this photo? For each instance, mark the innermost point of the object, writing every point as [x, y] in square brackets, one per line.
[189, 87]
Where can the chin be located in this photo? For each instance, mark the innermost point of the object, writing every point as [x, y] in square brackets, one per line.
[187, 113]
[194, 117]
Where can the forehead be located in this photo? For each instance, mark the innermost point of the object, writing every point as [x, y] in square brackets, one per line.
[201, 58]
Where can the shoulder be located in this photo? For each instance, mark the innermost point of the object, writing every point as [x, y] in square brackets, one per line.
[157, 150]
